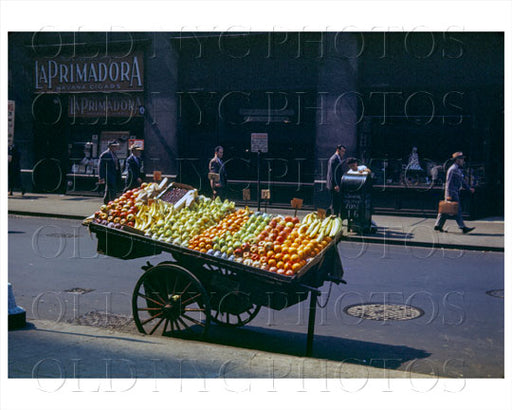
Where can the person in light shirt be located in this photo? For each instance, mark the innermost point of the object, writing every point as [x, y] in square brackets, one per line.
[216, 167]
[355, 168]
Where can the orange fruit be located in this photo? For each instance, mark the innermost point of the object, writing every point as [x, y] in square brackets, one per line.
[278, 248]
[296, 267]
[280, 265]
[286, 257]
[278, 256]
[294, 258]
[270, 254]
[272, 262]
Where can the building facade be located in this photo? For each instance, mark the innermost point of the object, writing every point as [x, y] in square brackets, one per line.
[298, 94]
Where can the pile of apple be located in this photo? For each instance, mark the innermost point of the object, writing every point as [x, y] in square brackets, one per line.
[120, 211]
[272, 249]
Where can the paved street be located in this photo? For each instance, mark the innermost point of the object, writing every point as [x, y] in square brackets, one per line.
[57, 276]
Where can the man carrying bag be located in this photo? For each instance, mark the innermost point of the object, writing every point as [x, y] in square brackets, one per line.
[451, 205]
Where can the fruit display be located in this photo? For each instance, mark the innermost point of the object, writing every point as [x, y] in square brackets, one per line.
[177, 226]
[286, 245]
[275, 243]
[122, 211]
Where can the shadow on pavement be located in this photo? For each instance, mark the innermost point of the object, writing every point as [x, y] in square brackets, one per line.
[32, 327]
[324, 347]
[28, 197]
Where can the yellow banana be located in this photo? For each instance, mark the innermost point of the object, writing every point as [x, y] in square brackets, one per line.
[316, 227]
[336, 227]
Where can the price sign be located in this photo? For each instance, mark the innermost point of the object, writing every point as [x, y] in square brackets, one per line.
[259, 142]
[137, 142]
[297, 203]
[246, 194]
[265, 194]
[321, 213]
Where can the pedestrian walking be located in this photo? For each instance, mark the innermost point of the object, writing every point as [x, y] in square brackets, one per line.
[133, 168]
[109, 171]
[217, 174]
[454, 182]
[335, 170]
[15, 170]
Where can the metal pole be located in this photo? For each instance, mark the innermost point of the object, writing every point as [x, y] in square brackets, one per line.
[259, 182]
[311, 322]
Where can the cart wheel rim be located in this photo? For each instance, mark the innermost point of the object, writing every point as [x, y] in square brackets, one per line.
[171, 301]
[226, 311]
[235, 319]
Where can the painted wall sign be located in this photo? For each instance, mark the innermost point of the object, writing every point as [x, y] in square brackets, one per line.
[65, 75]
[105, 105]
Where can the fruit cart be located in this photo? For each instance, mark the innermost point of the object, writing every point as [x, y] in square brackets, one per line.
[184, 296]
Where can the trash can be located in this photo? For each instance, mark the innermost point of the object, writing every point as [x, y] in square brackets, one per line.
[357, 202]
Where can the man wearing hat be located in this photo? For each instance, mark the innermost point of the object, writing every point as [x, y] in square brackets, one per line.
[454, 182]
[133, 168]
[109, 171]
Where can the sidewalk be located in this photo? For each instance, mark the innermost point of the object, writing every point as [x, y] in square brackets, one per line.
[392, 230]
[81, 351]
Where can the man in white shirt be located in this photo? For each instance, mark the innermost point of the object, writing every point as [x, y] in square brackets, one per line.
[355, 168]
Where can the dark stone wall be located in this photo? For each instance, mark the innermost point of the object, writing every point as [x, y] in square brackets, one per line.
[161, 116]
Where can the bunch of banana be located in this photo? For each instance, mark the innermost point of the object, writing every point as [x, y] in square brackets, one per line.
[152, 214]
[330, 226]
[315, 227]
[307, 223]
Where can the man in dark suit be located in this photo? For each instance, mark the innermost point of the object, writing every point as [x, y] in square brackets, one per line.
[335, 170]
[133, 168]
[14, 170]
[217, 174]
[454, 182]
[109, 171]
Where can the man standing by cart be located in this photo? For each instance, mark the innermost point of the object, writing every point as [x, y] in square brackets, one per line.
[217, 174]
[133, 168]
[454, 182]
[109, 171]
[335, 170]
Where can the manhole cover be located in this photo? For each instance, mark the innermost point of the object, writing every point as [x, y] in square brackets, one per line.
[62, 235]
[497, 293]
[80, 291]
[379, 311]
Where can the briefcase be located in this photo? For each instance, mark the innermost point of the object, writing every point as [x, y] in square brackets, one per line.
[448, 207]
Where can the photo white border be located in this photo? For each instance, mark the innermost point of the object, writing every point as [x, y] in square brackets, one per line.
[124, 15]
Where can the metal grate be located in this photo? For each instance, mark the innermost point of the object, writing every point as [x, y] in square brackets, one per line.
[379, 311]
[106, 320]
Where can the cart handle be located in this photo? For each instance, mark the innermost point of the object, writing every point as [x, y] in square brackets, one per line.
[310, 289]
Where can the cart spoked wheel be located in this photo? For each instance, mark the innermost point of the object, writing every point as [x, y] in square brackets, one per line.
[171, 301]
[233, 309]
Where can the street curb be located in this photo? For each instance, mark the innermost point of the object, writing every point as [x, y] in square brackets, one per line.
[366, 239]
[46, 215]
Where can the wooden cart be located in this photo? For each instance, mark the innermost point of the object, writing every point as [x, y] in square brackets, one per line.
[182, 297]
